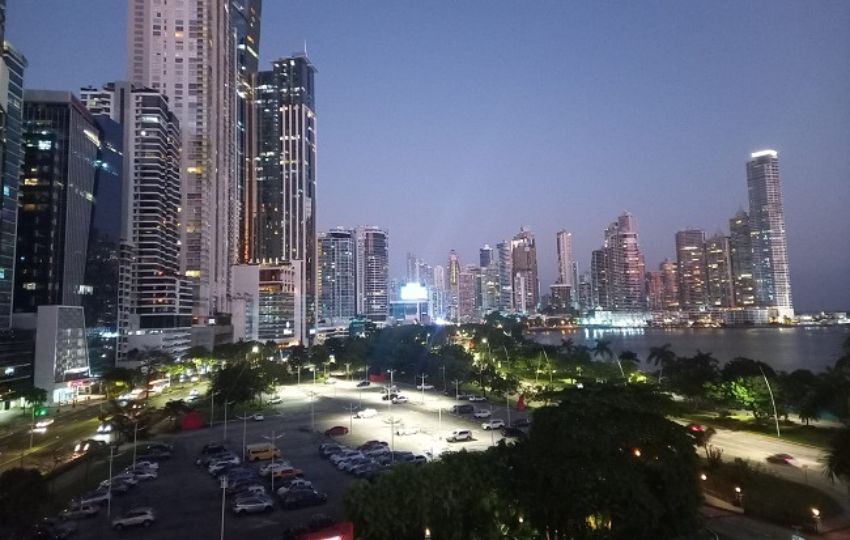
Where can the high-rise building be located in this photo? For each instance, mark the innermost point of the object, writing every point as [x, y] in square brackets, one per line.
[767, 229]
[670, 276]
[438, 294]
[655, 290]
[372, 272]
[564, 244]
[741, 252]
[467, 295]
[413, 268]
[337, 274]
[690, 260]
[187, 51]
[485, 256]
[12, 70]
[599, 282]
[718, 264]
[286, 173]
[585, 292]
[155, 299]
[265, 298]
[526, 286]
[245, 16]
[626, 267]
[560, 297]
[61, 142]
[506, 282]
[453, 287]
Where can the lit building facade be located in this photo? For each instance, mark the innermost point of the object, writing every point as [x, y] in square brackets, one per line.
[266, 306]
[372, 272]
[767, 229]
[655, 290]
[670, 283]
[506, 287]
[286, 172]
[453, 287]
[61, 145]
[690, 260]
[741, 253]
[337, 274]
[718, 264]
[626, 267]
[187, 51]
[526, 286]
[467, 312]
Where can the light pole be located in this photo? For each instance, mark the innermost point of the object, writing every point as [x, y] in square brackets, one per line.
[223, 498]
[109, 489]
[457, 389]
[351, 408]
[299, 377]
[244, 432]
[272, 439]
[508, 406]
[224, 438]
[423, 377]
[32, 425]
[212, 407]
[348, 370]
[816, 517]
[135, 439]
[443, 369]
[769, 391]
[312, 396]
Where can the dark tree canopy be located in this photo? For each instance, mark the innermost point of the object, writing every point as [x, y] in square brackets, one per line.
[23, 497]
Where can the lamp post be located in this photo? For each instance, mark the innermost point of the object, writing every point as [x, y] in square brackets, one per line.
[272, 438]
[244, 419]
[443, 369]
[224, 436]
[109, 489]
[348, 370]
[351, 408]
[299, 377]
[223, 498]
[817, 519]
[32, 425]
[457, 389]
[312, 396]
[770, 391]
[423, 377]
[508, 406]
[739, 496]
[135, 440]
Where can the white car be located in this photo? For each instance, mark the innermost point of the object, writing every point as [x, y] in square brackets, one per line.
[143, 516]
[275, 400]
[100, 496]
[252, 504]
[330, 380]
[147, 464]
[459, 435]
[258, 417]
[254, 490]
[367, 413]
[342, 456]
[143, 474]
[44, 422]
[126, 478]
[425, 386]
[477, 398]
[298, 483]
[400, 399]
[277, 466]
[194, 392]
[482, 413]
[407, 430]
[496, 423]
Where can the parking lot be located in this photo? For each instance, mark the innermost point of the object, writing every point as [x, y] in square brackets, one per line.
[187, 499]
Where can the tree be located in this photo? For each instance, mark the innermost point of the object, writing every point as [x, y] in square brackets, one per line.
[239, 382]
[23, 498]
[602, 349]
[33, 395]
[691, 377]
[836, 462]
[116, 378]
[150, 361]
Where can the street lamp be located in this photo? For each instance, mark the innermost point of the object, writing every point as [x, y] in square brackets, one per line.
[244, 432]
[423, 377]
[223, 497]
[272, 438]
[817, 519]
[739, 496]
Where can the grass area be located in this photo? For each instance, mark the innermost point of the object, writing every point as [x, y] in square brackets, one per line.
[769, 497]
[791, 431]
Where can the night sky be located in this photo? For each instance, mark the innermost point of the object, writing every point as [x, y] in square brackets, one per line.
[454, 123]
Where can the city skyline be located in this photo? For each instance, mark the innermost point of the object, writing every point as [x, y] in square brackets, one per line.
[747, 104]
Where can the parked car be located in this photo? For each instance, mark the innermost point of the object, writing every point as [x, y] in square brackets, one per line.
[406, 430]
[154, 454]
[159, 447]
[143, 516]
[330, 380]
[495, 423]
[513, 433]
[286, 474]
[414, 458]
[389, 397]
[400, 399]
[345, 454]
[99, 496]
[521, 423]
[349, 464]
[295, 483]
[301, 498]
[252, 504]
[275, 400]
[218, 468]
[425, 386]
[213, 448]
[473, 398]
[366, 413]
[53, 529]
[142, 473]
[79, 511]
[372, 444]
[258, 417]
[465, 408]
[269, 468]
[459, 435]
[326, 450]
[363, 384]
[336, 431]
[118, 487]
[482, 413]
[251, 490]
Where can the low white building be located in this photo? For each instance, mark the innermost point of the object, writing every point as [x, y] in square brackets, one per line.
[61, 353]
[267, 303]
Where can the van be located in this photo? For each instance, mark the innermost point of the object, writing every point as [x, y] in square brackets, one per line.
[466, 408]
[264, 450]
[460, 435]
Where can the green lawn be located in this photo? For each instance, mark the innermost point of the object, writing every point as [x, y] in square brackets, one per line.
[769, 497]
[799, 433]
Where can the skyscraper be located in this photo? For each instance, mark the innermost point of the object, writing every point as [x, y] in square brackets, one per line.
[372, 272]
[61, 144]
[187, 50]
[690, 260]
[564, 244]
[506, 287]
[485, 256]
[286, 172]
[655, 290]
[599, 282]
[524, 267]
[467, 295]
[246, 24]
[453, 287]
[155, 299]
[767, 227]
[626, 267]
[11, 157]
[741, 252]
[670, 277]
[337, 274]
[718, 265]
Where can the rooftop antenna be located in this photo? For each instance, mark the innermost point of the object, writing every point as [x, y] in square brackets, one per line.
[305, 47]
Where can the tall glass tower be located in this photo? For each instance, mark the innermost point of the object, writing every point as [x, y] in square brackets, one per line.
[767, 227]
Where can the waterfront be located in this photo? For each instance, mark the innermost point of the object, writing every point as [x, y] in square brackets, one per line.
[785, 348]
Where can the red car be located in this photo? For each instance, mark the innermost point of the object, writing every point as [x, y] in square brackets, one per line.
[336, 431]
[696, 428]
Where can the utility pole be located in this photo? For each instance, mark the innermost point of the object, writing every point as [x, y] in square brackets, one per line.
[32, 425]
[457, 389]
[273, 438]
[423, 377]
[135, 439]
[244, 419]
[508, 406]
[224, 438]
[223, 498]
[351, 408]
[312, 411]
[769, 391]
[109, 492]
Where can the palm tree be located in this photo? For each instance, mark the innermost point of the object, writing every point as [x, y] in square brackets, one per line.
[629, 356]
[569, 345]
[602, 349]
[661, 356]
[150, 361]
[836, 463]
